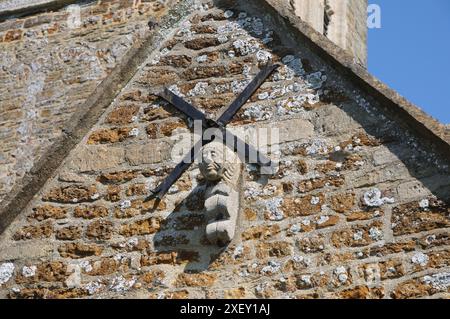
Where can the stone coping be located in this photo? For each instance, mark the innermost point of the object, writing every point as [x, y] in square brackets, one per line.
[17, 8]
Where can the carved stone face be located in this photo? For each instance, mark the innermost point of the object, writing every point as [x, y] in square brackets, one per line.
[219, 162]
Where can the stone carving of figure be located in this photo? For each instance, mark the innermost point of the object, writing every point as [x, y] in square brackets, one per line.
[221, 167]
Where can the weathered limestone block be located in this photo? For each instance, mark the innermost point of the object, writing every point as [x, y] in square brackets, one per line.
[94, 158]
[148, 153]
[275, 133]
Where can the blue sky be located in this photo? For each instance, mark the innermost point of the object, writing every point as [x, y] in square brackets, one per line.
[411, 52]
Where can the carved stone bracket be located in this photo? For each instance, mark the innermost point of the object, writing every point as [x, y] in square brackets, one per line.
[221, 168]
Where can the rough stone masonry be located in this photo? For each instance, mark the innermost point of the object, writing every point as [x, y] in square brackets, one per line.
[358, 209]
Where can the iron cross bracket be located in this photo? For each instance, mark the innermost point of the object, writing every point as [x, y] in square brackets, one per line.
[219, 124]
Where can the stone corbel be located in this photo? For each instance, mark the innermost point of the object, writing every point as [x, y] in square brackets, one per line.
[222, 209]
[221, 168]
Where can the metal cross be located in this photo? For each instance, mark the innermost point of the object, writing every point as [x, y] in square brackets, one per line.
[220, 124]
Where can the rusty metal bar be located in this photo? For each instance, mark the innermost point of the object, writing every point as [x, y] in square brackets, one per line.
[243, 97]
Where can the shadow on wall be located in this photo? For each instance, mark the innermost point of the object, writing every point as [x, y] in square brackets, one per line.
[183, 234]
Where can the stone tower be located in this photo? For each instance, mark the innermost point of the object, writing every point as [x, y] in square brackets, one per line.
[342, 21]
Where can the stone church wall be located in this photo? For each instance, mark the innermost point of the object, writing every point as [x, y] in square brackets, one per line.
[49, 67]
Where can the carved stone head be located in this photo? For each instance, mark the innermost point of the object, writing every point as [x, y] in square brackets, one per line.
[220, 163]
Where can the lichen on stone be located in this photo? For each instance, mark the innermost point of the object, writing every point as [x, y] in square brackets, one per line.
[272, 267]
[93, 287]
[316, 80]
[420, 259]
[199, 89]
[6, 272]
[341, 273]
[439, 281]
[258, 112]
[202, 58]
[246, 47]
[273, 207]
[424, 204]
[375, 233]
[263, 56]
[373, 198]
[29, 271]
[176, 90]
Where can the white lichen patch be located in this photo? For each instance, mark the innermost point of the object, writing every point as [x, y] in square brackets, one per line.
[29, 271]
[242, 15]
[375, 233]
[93, 287]
[222, 38]
[125, 204]
[202, 7]
[306, 222]
[95, 196]
[312, 98]
[202, 58]
[6, 272]
[341, 274]
[258, 112]
[199, 89]
[296, 67]
[290, 106]
[120, 284]
[263, 56]
[420, 259]
[317, 147]
[263, 96]
[173, 189]
[86, 266]
[283, 73]
[238, 251]
[230, 27]
[228, 14]
[424, 204]
[272, 268]
[74, 280]
[176, 90]
[246, 47]
[273, 208]
[359, 235]
[238, 86]
[322, 220]
[165, 51]
[252, 193]
[222, 88]
[134, 132]
[315, 200]
[373, 198]
[268, 37]
[306, 279]
[316, 80]
[439, 281]
[185, 31]
[295, 228]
